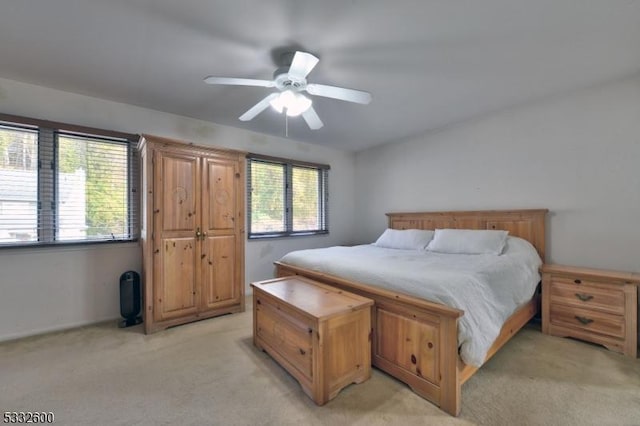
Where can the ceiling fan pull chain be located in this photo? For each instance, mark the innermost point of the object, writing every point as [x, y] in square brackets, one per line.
[286, 126]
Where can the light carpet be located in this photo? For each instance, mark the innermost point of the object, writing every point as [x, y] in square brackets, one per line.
[209, 373]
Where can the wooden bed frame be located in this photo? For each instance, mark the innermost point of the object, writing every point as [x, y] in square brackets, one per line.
[415, 340]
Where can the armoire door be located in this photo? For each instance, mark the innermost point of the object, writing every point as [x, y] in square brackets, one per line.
[176, 245]
[219, 259]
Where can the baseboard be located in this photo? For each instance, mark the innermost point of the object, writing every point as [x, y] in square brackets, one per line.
[54, 329]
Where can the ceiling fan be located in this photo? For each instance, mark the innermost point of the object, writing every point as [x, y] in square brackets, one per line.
[290, 83]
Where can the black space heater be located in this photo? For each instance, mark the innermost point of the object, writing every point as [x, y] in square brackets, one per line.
[130, 299]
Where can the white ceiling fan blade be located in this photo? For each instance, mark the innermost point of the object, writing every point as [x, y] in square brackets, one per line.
[258, 108]
[312, 119]
[349, 95]
[302, 65]
[239, 81]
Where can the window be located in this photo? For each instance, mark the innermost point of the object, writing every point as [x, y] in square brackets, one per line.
[65, 184]
[286, 198]
[92, 191]
[18, 184]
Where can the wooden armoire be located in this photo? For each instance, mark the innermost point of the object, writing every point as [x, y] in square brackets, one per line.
[192, 231]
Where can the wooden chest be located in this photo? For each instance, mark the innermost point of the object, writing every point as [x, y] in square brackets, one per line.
[319, 334]
[594, 305]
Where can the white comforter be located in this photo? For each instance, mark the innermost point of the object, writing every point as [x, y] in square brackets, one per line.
[487, 288]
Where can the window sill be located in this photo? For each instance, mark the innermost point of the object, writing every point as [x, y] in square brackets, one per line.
[75, 246]
[286, 235]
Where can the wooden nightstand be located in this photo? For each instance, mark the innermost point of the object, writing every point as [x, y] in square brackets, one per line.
[591, 304]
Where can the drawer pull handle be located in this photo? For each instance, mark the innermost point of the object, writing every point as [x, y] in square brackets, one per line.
[584, 297]
[258, 302]
[577, 281]
[302, 352]
[584, 320]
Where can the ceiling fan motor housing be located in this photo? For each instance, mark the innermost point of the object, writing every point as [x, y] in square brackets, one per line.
[286, 82]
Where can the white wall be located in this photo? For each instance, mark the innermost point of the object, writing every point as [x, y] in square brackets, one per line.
[577, 155]
[48, 289]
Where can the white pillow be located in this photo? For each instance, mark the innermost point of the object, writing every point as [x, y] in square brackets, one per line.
[405, 239]
[468, 241]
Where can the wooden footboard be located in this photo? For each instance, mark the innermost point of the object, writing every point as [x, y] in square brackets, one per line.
[416, 341]
[413, 340]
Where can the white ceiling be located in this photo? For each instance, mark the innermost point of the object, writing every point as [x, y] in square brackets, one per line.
[427, 63]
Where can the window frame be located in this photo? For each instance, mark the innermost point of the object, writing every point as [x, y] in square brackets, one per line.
[289, 165]
[47, 171]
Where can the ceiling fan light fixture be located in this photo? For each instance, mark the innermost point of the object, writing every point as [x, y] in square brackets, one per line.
[294, 103]
[298, 106]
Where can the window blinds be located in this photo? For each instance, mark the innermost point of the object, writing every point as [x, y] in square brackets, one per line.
[59, 187]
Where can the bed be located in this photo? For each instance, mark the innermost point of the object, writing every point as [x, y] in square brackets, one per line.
[416, 340]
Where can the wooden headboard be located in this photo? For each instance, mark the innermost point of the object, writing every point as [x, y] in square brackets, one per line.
[526, 224]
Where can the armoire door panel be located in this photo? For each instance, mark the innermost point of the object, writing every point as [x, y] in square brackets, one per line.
[218, 271]
[219, 194]
[175, 291]
[178, 191]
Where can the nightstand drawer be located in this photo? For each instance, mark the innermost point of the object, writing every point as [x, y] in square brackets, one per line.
[585, 319]
[587, 295]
